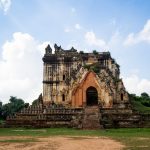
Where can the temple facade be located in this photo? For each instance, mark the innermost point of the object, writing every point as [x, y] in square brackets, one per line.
[77, 79]
[80, 90]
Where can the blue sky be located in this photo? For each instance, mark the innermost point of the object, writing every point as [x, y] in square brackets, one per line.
[26, 26]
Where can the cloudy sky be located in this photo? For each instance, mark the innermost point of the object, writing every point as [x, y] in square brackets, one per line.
[27, 26]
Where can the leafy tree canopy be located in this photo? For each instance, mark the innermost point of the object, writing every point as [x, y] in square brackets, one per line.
[35, 102]
[95, 52]
[15, 104]
[1, 104]
[81, 52]
[145, 95]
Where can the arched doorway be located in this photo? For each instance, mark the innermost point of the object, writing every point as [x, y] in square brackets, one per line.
[91, 96]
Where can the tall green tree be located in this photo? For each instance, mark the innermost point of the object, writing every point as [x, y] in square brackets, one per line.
[1, 105]
[145, 95]
[95, 52]
[145, 99]
[35, 102]
[15, 104]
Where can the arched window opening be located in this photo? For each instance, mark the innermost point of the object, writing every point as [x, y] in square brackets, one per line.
[63, 77]
[63, 97]
[121, 96]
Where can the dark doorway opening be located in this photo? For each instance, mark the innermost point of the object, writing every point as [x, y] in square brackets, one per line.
[121, 96]
[91, 96]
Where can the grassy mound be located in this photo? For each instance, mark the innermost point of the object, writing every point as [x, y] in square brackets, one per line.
[140, 103]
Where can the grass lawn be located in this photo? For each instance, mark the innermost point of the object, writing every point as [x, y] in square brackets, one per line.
[134, 139]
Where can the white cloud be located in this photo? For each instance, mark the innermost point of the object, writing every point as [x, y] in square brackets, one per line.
[21, 67]
[5, 5]
[136, 85]
[142, 36]
[92, 40]
[77, 26]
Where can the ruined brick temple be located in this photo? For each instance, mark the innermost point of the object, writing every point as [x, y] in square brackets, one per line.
[82, 90]
[81, 79]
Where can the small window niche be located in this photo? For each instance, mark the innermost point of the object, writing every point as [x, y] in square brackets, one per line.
[121, 96]
[63, 97]
[63, 77]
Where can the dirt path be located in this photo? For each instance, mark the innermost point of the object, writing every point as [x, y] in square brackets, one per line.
[60, 143]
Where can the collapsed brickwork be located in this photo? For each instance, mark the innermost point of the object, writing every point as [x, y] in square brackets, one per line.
[70, 77]
[81, 90]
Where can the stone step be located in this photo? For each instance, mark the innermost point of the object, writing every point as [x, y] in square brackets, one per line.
[91, 109]
[91, 119]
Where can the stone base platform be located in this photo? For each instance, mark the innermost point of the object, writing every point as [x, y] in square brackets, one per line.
[93, 117]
